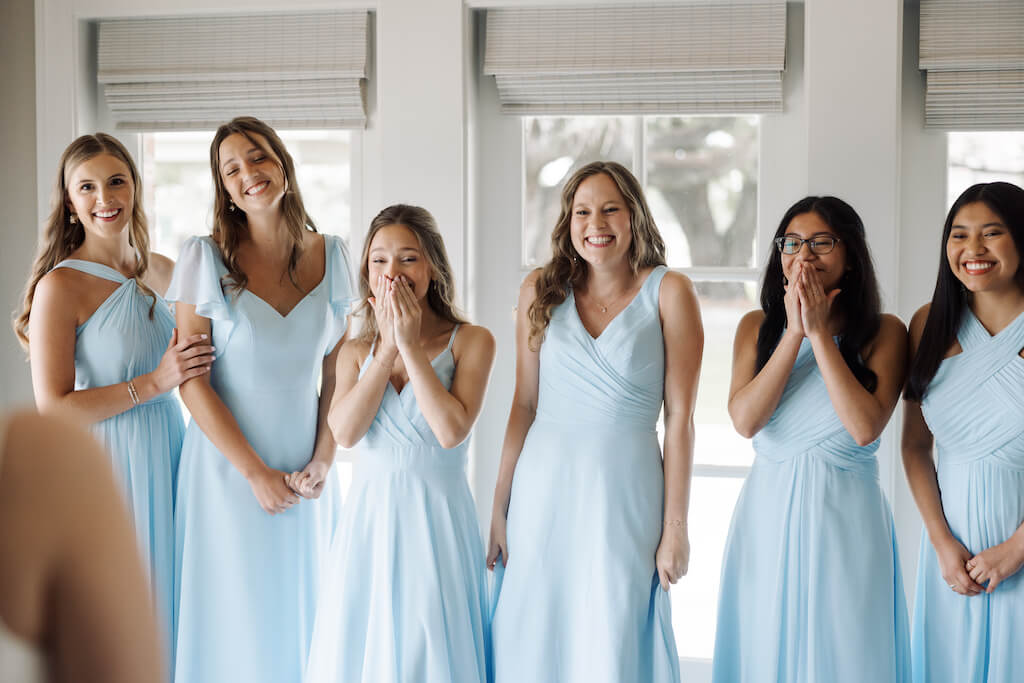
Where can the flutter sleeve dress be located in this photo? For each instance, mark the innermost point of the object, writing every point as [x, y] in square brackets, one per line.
[974, 407]
[246, 581]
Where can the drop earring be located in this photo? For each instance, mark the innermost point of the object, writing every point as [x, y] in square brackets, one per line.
[73, 219]
[231, 204]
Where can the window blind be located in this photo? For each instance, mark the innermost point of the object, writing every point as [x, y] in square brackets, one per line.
[721, 57]
[303, 70]
[973, 51]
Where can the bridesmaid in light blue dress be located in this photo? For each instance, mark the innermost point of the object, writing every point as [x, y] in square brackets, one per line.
[596, 526]
[405, 594]
[811, 588]
[274, 295]
[102, 339]
[969, 343]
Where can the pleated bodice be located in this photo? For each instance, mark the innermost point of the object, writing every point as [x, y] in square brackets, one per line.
[806, 425]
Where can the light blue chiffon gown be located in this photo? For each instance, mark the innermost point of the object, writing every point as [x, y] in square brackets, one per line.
[117, 343]
[975, 408]
[405, 596]
[246, 580]
[811, 589]
[579, 601]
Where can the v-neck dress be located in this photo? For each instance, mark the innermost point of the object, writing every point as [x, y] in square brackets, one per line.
[579, 601]
[117, 343]
[405, 596]
[975, 409]
[811, 587]
[246, 580]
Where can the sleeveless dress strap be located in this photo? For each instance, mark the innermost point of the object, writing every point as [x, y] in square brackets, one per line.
[92, 268]
[451, 340]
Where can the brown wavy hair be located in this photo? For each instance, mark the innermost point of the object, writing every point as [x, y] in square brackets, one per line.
[566, 270]
[440, 292]
[231, 227]
[61, 237]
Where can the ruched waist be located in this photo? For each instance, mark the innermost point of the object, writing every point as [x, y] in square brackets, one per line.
[421, 459]
[1010, 456]
[601, 424]
[861, 462]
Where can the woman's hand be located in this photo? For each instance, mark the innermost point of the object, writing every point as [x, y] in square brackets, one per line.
[384, 315]
[309, 483]
[815, 304]
[407, 313]
[191, 357]
[794, 320]
[497, 544]
[673, 556]
[996, 564]
[953, 558]
[271, 489]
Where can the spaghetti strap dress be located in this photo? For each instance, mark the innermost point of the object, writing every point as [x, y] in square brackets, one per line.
[246, 580]
[117, 343]
[811, 587]
[405, 598]
[974, 407]
[580, 601]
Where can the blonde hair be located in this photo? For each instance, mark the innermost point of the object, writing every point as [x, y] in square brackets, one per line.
[566, 269]
[61, 237]
[440, 292]
[230, 226]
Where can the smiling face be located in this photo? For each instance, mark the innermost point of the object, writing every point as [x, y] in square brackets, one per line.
[101, 193]
[395, 251]
[981, 251]
[251, 174]
[600, 226]
[830, 267]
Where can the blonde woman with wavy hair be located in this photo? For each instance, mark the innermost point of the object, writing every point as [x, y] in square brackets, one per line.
[274, 296]
[409, 389]
[102, 341]
[589, 525]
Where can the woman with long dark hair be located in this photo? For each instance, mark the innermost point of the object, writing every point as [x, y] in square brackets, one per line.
[811, 587]
[274, 295]
[102, 340]
[590, 521]
[965, 395]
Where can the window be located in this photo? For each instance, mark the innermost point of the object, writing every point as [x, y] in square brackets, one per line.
[700, 178]
[984, 157]
[178, 194]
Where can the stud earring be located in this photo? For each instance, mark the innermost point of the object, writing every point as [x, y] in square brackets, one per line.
[74, 218]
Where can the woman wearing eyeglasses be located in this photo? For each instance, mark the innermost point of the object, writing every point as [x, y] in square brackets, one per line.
[811, 587]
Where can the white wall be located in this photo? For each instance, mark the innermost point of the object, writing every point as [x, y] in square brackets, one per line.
[853, 127]
[18, 184]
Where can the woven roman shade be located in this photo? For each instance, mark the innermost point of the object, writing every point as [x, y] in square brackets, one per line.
[302, 70]
[973, 51]
[720, 57]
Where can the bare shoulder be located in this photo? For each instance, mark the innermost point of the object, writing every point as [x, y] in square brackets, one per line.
[475, 337]
[354, 350]
[676, 285]
[60, 291]
[750, 323]
[159, 273]
[892, 333]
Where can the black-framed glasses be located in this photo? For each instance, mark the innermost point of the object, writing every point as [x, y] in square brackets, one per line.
[819, 244]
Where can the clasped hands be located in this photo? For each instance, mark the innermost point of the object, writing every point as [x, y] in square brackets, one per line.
[808, 306]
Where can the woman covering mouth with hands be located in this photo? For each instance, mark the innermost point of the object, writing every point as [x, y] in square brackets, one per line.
[811, 588]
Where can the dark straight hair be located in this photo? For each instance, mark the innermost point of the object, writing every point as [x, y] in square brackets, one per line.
[858, 302]
[1006, 200]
